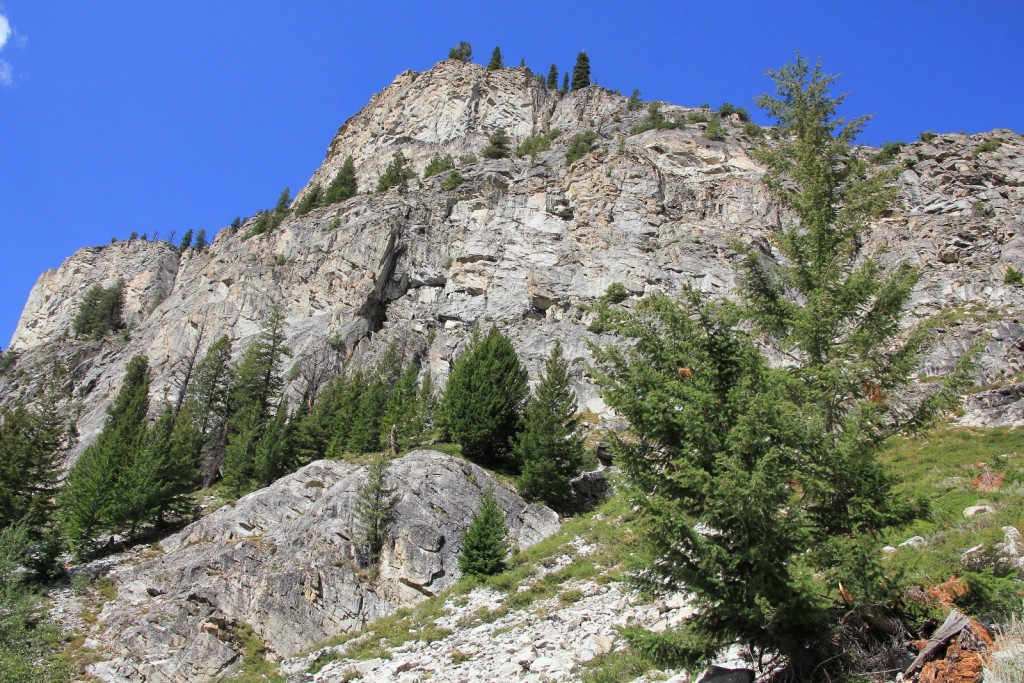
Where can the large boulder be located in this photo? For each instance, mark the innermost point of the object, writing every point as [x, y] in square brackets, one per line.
[283, 562]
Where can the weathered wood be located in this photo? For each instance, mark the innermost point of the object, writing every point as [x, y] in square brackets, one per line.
[954, 624]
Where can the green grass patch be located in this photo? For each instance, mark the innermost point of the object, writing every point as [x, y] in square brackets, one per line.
[615, 667]
[943, 467]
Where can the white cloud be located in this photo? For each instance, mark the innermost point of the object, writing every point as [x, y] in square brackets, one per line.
[5, 31]
[6, 74]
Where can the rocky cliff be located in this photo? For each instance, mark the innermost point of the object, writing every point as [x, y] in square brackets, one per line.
[284, 562]
[523, 243]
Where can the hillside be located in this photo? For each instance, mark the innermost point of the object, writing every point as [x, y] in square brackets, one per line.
[607, 199]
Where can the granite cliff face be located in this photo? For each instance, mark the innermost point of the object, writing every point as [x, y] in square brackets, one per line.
[523, 243]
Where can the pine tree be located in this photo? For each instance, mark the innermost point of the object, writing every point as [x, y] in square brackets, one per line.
[372, 510]
[397, 174]
[462, 52]
[275, 454]
[186, 241]
[713, 424]
[310, 200]
[496, 61]
[343, 185]
[206, 406]
[581, 72]
[484, 397]
[31, 445]
[200, 244]
[92, 499]
[550, 448]
[401, 412]
[256, 386]
[485, 543]
[100, 311]
[498, 146]
[565, 83]
[552, 82]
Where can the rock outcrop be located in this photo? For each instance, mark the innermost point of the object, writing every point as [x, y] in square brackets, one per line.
[524, 243]
[283, 561]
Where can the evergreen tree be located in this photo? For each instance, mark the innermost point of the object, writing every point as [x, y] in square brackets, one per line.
[397, 174]
[310, 200]
[164, 471]
[713, 424]
[484, 397]
[186, 241]
[565, 83]
[402, 410]
[206, 406]
[498, 146]
[255, 387]
[496, 60]
[350, 396]
[552, 82]
[31, 444]
[550, 448]
[343, 185]
[92, 500]
[100, 311]
[463, 51]
[372, 510]
[581, 72]
[438, 164]
[485, 543]
[201, 244]
[275, 454]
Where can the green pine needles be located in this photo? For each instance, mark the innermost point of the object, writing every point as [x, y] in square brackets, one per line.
[760, 487]
[485, 543]
[484, 397]
[100, 312]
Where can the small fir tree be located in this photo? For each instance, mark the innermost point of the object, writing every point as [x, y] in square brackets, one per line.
[552, 82]
[565, 83]
[201, 244]
[438, 164]
[496, 60]
[550, 449]
[100, 312]
[372, 510]
[484, 397]
[186, 241]
[310, 200]
[397, 174]
[581, 72]
[31, 449]
[497, 146]
[462, 52]
[344, 184]
[485, 543]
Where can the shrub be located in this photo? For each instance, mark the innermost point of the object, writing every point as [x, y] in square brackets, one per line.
[485, 544]
[728, 108]
[437, 164]
[100, 311]
[310, 200]
[752, 129]
[1013, 276]
[463, 51]
[654, 120]
[467, 159]
[990, 145]
[579, 146]
[696, 117]
[453, 180]
[889, 151]
[497, 147]
[397, 174]
[616, 293]
[634, 101]
[536, 144]
[927, 136]
[714, 130]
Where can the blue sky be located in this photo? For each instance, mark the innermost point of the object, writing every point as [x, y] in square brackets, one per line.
[123, 116]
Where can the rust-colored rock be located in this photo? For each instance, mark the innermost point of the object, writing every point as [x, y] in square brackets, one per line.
[964, 658]
[948, 591]
[988, 481]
